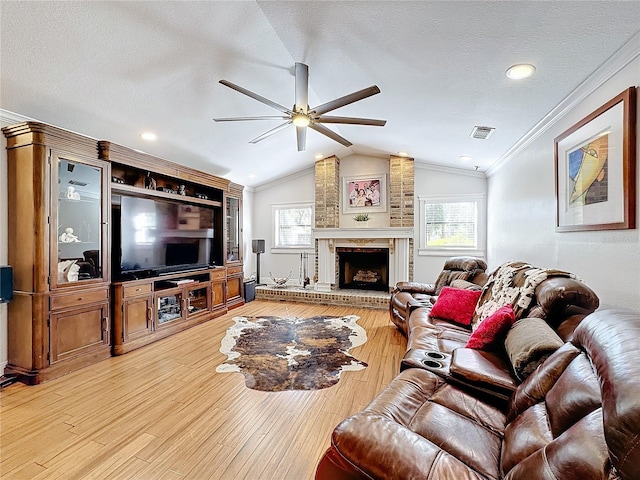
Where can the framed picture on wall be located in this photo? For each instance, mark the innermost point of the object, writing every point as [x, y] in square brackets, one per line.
[364, 193]
[595, 169]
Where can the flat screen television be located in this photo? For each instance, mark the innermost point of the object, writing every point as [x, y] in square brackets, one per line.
[157, 236]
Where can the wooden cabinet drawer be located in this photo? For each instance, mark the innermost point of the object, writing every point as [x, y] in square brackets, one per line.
[218, 274]
[78, 298]
[234, 270]
[133, 290]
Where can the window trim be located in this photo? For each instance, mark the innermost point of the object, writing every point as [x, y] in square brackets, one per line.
[479, 250]
[274, 235]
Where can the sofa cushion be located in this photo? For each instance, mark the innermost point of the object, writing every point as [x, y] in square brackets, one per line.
[490, 334]
[529, 342]
[456, 305]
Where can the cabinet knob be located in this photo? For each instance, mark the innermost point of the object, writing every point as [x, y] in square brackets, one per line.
[80, 299]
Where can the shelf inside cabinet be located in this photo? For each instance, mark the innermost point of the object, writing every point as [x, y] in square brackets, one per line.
[140, 191]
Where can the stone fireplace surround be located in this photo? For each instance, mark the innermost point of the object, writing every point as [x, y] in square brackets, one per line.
[396, 239]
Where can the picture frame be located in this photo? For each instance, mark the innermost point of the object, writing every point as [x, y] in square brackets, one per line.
[364, 193]
[595, 169]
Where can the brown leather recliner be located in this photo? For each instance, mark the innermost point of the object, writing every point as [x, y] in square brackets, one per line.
[576, 417]
[407, 295]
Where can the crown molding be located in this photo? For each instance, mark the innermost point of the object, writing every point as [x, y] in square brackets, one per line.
[620, 59]
[11, 118]
[444, 169]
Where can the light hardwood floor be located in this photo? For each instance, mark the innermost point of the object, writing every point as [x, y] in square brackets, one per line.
[162, 411]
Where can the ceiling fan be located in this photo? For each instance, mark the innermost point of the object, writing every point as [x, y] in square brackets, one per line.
[302, 116]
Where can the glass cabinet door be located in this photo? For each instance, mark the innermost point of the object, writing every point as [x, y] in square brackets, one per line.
[169, 307]
[197, 300]
[78, 221]
[233, 229]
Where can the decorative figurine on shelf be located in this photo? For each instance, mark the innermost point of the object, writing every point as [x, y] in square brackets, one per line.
[149, 182]
[182, 190]
[72, 194]
[68, 271]
[68, 236]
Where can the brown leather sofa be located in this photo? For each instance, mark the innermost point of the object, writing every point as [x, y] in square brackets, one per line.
[438, 344]
[576, 417]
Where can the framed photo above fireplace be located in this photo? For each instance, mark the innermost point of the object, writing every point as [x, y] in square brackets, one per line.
[364, 193]
[595, 163]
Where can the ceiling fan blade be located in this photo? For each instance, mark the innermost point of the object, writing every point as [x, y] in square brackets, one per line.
[271, 132]
[255, 96]
[346, 100]
[302, 88]
[332, 135]
[240, 119]
[301, 133]
[351, 120]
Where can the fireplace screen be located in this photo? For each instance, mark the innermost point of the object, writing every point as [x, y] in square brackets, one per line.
[363, 268]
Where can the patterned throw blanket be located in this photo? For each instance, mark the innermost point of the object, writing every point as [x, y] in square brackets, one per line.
[512, 283]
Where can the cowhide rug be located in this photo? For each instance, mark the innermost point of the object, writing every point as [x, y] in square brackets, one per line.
[276, 354]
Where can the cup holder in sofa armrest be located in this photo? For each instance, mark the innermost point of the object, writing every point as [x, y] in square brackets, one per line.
[487, 370]
[435, 355]
[434, 361]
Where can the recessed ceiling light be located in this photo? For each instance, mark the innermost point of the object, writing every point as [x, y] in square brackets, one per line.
[319, 156]
[148, 136]
[252, 175]
[465, 158]
[520, 71]
[403, 154]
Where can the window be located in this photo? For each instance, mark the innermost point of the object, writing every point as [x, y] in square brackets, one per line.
[452, 224]
[292, 226]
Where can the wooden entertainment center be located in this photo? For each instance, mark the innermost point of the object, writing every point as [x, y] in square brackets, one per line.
[74, 302]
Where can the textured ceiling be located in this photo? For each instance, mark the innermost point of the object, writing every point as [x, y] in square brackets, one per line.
[113, 69]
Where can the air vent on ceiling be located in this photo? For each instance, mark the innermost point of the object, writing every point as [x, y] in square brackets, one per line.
[78, 183]
[482, 133]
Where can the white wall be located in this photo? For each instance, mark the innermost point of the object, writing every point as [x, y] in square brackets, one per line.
[521, 213]
[296, 188]
[433, 180]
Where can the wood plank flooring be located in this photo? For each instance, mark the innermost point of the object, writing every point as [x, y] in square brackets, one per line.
[163, 413]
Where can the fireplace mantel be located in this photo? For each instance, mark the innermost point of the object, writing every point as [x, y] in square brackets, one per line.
[364, 232]
[396, 239]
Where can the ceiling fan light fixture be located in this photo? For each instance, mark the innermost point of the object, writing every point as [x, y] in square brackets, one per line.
[300, 120]
[520, 71]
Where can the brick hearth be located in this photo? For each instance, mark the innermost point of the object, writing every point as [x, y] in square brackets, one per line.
[352, 298]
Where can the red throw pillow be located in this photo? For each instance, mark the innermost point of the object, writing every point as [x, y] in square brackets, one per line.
[492, 331]
[456, 305]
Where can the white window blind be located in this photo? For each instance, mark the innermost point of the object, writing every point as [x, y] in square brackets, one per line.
[292, 226]
[451, 224]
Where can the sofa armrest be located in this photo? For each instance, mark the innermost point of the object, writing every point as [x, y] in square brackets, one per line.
[416, 287]
[484, 369]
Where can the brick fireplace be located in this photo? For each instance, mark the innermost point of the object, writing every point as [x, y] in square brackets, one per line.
[395, 240]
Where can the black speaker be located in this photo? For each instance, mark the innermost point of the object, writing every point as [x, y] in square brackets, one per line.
[6, 284]
[257, 246]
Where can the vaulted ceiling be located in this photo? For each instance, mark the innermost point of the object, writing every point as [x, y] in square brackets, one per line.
[111, 70]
